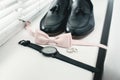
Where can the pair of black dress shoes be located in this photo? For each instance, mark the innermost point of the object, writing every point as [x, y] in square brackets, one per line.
[75, 17]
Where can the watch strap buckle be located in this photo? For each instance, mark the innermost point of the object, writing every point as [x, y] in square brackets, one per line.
[24, 43]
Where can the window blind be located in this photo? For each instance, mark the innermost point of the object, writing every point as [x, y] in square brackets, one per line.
[8, 10]
[6, 3]
[11, 11]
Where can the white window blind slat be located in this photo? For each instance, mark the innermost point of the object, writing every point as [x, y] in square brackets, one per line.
[29, 3]
[8, 10]
[22, 0]
[29, 9]
[6, 3]
[9, 19]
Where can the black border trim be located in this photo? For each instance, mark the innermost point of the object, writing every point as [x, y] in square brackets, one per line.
[104, 40]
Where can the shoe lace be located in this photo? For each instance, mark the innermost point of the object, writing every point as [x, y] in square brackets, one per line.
[56, 8]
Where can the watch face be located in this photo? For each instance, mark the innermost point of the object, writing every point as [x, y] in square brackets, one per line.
[49, 50]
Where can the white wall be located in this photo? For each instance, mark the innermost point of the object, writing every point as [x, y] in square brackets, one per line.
[112, 63]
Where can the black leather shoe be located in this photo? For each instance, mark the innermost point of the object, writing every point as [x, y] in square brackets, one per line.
[81, 20]
[54, 22]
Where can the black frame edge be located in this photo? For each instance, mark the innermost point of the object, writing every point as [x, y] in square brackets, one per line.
[104, 40]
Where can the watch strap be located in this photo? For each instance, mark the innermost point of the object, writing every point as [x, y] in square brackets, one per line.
[77, 63]
[31, 45]
[60, 56]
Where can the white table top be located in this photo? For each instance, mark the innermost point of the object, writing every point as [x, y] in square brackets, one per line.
[22, 63]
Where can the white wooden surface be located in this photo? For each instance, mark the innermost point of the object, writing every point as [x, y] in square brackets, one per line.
[22, 63]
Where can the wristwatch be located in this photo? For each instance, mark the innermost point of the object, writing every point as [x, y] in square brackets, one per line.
[50, 51]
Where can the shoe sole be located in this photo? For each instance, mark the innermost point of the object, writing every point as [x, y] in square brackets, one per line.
[84, 35]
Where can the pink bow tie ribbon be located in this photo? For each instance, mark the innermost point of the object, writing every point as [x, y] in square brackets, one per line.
[63, 40]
